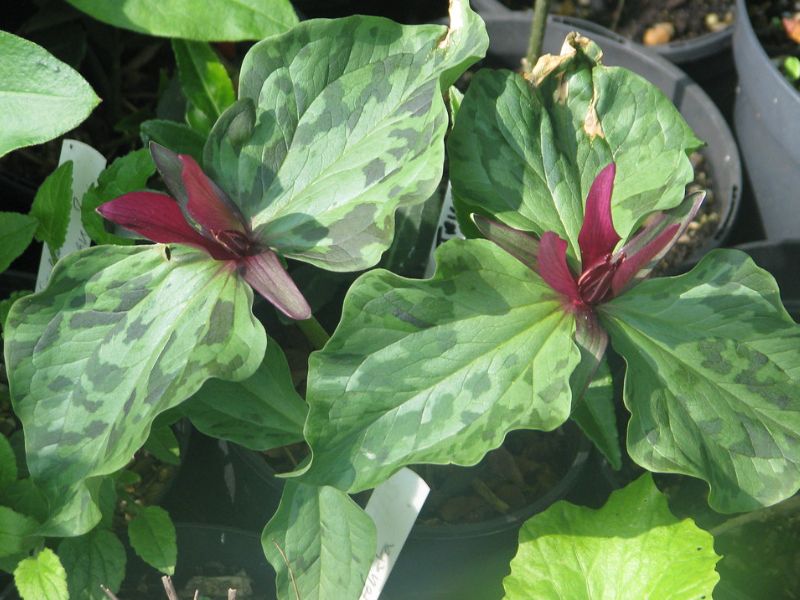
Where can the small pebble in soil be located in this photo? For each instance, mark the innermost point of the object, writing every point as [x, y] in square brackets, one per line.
[660, 33]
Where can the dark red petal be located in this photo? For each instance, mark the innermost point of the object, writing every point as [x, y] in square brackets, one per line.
[207, 204]
[598, 238]
[519, 244]
[158, 218]
[553, 268]
[170, 168]
[265, 273]
[647, 247]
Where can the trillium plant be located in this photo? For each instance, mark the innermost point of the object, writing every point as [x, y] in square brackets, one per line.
[569, 182]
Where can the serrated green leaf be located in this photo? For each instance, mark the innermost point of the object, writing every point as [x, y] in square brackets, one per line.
[40, 96]
[128, 173]
[8, 464]
[527, 155]
[632, 547]
[338, 124]
[52, 205]
[16, 233]
[596, 417]
[91, 560]
[438, 371]
[204, 81]
[177, 137]
[41, 577]
[24, 497]
[327, 539]
[163, 444]
[17, 532]
[712, 379]
[120, 335]
[261, 412]
[152, 536]
[221, 20]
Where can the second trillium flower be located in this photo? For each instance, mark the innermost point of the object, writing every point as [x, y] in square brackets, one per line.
[201, 215]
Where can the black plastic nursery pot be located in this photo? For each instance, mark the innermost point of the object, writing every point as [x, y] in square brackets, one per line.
[704, 58]
[222, 556]
[767, 122]
[508, 35]
[469, 561]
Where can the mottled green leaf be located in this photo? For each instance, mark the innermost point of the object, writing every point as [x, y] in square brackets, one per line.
[128, 173]
[163, 444]
[632, 547]
[91, 560]
[595, 415]
[17, 532]
[527, 155]
[52, 206]
[41, 577]
[152, 536]
[120, 335]
[8, 464]
[439, 370]
[712, 379]
[204, 80]
[16, 233]
[338, 124]
[261, 412]
[220, 20]
[324, 538]
[177, 137]
[40, 96]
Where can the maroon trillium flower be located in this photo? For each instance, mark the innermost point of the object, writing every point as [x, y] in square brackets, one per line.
[606, 271]
[201, 215]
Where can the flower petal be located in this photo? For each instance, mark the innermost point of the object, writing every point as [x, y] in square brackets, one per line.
[170, 168]
[206, 203]
[552, 266]
[598, 238]
[649, 246]
[158, 218]
[265, 273]
[519, 244]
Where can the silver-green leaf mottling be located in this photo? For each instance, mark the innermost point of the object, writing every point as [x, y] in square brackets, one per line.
[713, 380]
[338, 124]
[120, 335]
[438, 371]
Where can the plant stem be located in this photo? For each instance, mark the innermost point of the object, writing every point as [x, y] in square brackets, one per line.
[314, 332]
[540, 10]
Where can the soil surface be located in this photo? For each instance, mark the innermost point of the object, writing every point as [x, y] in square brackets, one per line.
[647, 21]
[703, 226]
[766, 18]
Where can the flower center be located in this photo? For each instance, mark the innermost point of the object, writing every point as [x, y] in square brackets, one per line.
[594, 284]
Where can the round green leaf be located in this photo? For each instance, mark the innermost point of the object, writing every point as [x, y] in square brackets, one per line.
[41, 577]
[632, 547]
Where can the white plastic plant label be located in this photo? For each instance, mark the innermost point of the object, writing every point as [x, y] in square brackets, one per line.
[87, 164]
[393, 506]
[447, 228]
